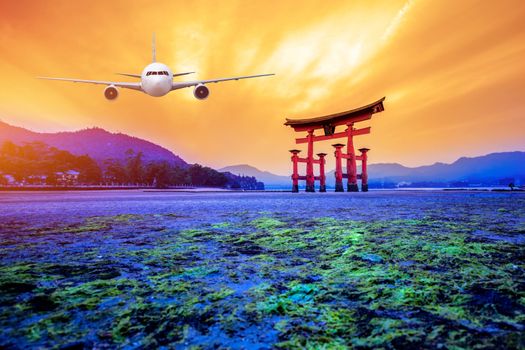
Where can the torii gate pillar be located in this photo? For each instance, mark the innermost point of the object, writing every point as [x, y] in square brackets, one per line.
[322, 176]
[338, 167]
[310, 177]
[295, 174]
[351, 166]
[364, 170]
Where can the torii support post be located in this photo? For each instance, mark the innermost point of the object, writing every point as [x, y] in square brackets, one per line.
[295, 174]
[351, 166]
[310, 177]
[322, 176]
[338, 167]
[364, 170]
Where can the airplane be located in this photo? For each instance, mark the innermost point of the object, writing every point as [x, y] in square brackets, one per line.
[156, 80]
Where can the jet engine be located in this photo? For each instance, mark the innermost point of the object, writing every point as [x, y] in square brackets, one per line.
[201, 92]
[111, 92]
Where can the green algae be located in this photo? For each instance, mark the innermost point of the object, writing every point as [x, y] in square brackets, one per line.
[267, 223]
[221, 294]
[156, 320]
[17, 278]
[320, 283]
[56, 327]
[91, 294]
[221, 225]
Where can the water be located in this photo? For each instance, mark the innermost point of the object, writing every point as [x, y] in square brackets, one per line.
[58, 206]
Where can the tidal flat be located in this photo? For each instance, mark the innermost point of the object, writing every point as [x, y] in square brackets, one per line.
[383, 269]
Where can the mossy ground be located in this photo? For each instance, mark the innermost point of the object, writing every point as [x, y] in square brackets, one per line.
[443, 277]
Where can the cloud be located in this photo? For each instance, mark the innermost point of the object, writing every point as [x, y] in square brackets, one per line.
[396, 22]
[448, 69]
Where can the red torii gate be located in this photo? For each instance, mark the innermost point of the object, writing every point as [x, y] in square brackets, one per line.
[329, 123]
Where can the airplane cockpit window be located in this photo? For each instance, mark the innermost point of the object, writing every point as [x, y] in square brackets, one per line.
[157, 73]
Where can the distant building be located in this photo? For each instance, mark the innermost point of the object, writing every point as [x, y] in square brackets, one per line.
[67, 178]
[7, 180]
[36, 180]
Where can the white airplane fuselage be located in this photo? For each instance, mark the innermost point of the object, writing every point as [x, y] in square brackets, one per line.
[156, 79]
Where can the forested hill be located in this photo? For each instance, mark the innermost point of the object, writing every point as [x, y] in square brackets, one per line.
[97, 143]
[36, 163]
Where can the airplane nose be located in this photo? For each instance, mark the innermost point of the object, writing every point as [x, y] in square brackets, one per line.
[158, 86]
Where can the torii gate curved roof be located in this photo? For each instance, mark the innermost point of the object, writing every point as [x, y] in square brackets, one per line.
[353, 115]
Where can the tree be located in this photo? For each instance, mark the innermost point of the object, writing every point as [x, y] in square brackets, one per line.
[204, 176]
[90, 172]
[115, 171]
[63, 160]
[8, 149]
[180, 176]
[28, 152]
[159, 174]
[134, 166]
[51, 179]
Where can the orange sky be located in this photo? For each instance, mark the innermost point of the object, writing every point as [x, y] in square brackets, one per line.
[453, 73]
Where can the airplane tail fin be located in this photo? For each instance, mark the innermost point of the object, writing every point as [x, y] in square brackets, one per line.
[154, 49]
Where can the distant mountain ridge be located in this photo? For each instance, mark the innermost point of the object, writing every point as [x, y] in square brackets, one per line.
[490, 167]
[471, 169]
[264, 176]
[98, 143]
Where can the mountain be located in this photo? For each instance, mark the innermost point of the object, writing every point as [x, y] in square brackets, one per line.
[487, 169]
[490, 167]
[98, 143]
[268, 178]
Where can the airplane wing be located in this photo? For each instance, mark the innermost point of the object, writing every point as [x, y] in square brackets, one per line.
[179, 74]
[126, 85]
[130, 75]
[185, 84]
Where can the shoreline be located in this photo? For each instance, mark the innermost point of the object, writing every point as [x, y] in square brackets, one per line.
[223, 190]
[67, 188]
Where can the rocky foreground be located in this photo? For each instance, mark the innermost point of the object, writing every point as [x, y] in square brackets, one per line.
[390, 270]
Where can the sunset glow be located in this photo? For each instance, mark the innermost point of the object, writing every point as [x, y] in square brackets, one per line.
[452, 73]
